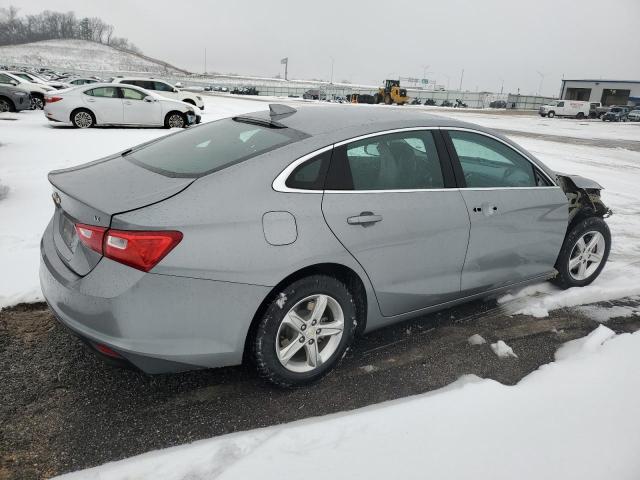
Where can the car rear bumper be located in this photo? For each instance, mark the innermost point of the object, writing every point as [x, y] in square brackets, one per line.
[158, 323]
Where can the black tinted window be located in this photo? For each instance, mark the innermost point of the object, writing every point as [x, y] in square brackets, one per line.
[311, 174]
[398, 161]
[488, 163]
[161, 86]
[210, 147]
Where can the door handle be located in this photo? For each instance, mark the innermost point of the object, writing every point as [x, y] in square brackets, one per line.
[366, 219]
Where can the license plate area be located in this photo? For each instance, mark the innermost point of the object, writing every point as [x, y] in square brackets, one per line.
[67, 231]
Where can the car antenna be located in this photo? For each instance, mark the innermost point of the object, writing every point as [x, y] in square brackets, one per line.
[279, 110]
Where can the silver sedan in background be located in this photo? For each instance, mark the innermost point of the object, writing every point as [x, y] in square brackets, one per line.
[280, 235]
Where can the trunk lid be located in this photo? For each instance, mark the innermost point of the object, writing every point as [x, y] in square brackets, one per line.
[92, 193]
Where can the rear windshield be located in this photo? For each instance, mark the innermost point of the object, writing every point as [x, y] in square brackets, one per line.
[205, 149]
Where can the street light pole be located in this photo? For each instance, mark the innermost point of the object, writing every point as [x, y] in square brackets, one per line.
[332, 60]
[461, 77]
[205, 60]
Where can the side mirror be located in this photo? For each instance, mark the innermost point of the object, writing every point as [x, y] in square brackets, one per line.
[149, 99]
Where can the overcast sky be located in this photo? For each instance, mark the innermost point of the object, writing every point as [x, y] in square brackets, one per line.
[369, 41]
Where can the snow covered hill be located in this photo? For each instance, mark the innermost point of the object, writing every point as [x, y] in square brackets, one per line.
[81, 55]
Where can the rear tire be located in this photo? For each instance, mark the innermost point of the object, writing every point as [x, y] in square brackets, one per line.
[175, 120]
[82, 118]
[290, 348]
[579, 263]
[580, 116]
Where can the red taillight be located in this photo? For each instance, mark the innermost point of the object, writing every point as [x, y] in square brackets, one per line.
[52, 99]
[138, 249]
[106, 350]
[141, 250]
[91, 236]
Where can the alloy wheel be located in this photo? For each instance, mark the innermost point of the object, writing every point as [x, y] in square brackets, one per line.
[36, 103]
[4, 106]
[310, 333]
[83, 119]
[586, 255]
[176, 121]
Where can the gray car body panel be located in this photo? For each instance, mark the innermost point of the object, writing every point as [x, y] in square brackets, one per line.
[20, 98]
[205, 293]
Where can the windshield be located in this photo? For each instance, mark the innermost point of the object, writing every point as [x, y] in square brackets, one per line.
[211, 147]
[616, 109]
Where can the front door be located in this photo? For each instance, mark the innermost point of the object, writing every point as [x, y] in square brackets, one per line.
[138, 111]
[518, 216]
[389, 202]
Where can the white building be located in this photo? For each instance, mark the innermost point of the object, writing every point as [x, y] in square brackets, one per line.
[608, 92]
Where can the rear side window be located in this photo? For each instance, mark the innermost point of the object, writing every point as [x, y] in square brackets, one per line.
[131, 94]
[397, 161]
[211, 147]
[161, 87]
[311, 174]
[108, 92]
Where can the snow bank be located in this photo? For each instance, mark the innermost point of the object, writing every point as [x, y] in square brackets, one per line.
[552, 425]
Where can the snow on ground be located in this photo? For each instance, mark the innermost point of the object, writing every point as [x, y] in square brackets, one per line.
[503, 350]
[564, 127]
[78, 55]
[476, 339]
[576, 418]
[30, 147]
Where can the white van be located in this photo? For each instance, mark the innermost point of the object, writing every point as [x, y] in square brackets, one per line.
[565, 108]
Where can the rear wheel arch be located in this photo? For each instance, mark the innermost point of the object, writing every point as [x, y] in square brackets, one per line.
[349, 277]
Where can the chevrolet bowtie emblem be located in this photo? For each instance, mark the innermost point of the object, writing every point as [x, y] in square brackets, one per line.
[56, 198]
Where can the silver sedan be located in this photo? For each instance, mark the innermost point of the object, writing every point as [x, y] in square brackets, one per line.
[280, 235]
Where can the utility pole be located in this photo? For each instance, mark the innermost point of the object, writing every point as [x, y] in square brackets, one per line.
[541, 81]
[332, 60]
[502, 86]
[285, 60]
[205, 60]
[461, 77]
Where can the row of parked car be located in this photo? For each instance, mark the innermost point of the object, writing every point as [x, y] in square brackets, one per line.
[86, 102]
[580, 109]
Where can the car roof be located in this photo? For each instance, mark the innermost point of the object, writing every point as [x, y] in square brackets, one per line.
[346, 121]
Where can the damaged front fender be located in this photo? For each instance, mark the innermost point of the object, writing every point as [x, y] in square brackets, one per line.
[584, 197]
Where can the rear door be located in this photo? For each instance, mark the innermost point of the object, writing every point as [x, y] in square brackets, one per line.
[105, 103]
[390, 200]
[518, 215]
[137, 111]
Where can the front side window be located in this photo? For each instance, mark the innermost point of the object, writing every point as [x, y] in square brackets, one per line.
[488, 163]
[560, 104]
[397, 161]
[211, 147]
[105, 92]
[131, 94]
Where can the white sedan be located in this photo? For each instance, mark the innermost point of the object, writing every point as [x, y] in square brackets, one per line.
[115, 104]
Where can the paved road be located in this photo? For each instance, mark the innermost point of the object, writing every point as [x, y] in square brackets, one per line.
[62, 409]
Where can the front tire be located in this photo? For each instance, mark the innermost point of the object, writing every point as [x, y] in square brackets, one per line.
[304, 331]
[551, 114]
[83, 118]
[6, 105]
[175, 120]
[584, 253]
[37, 102]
